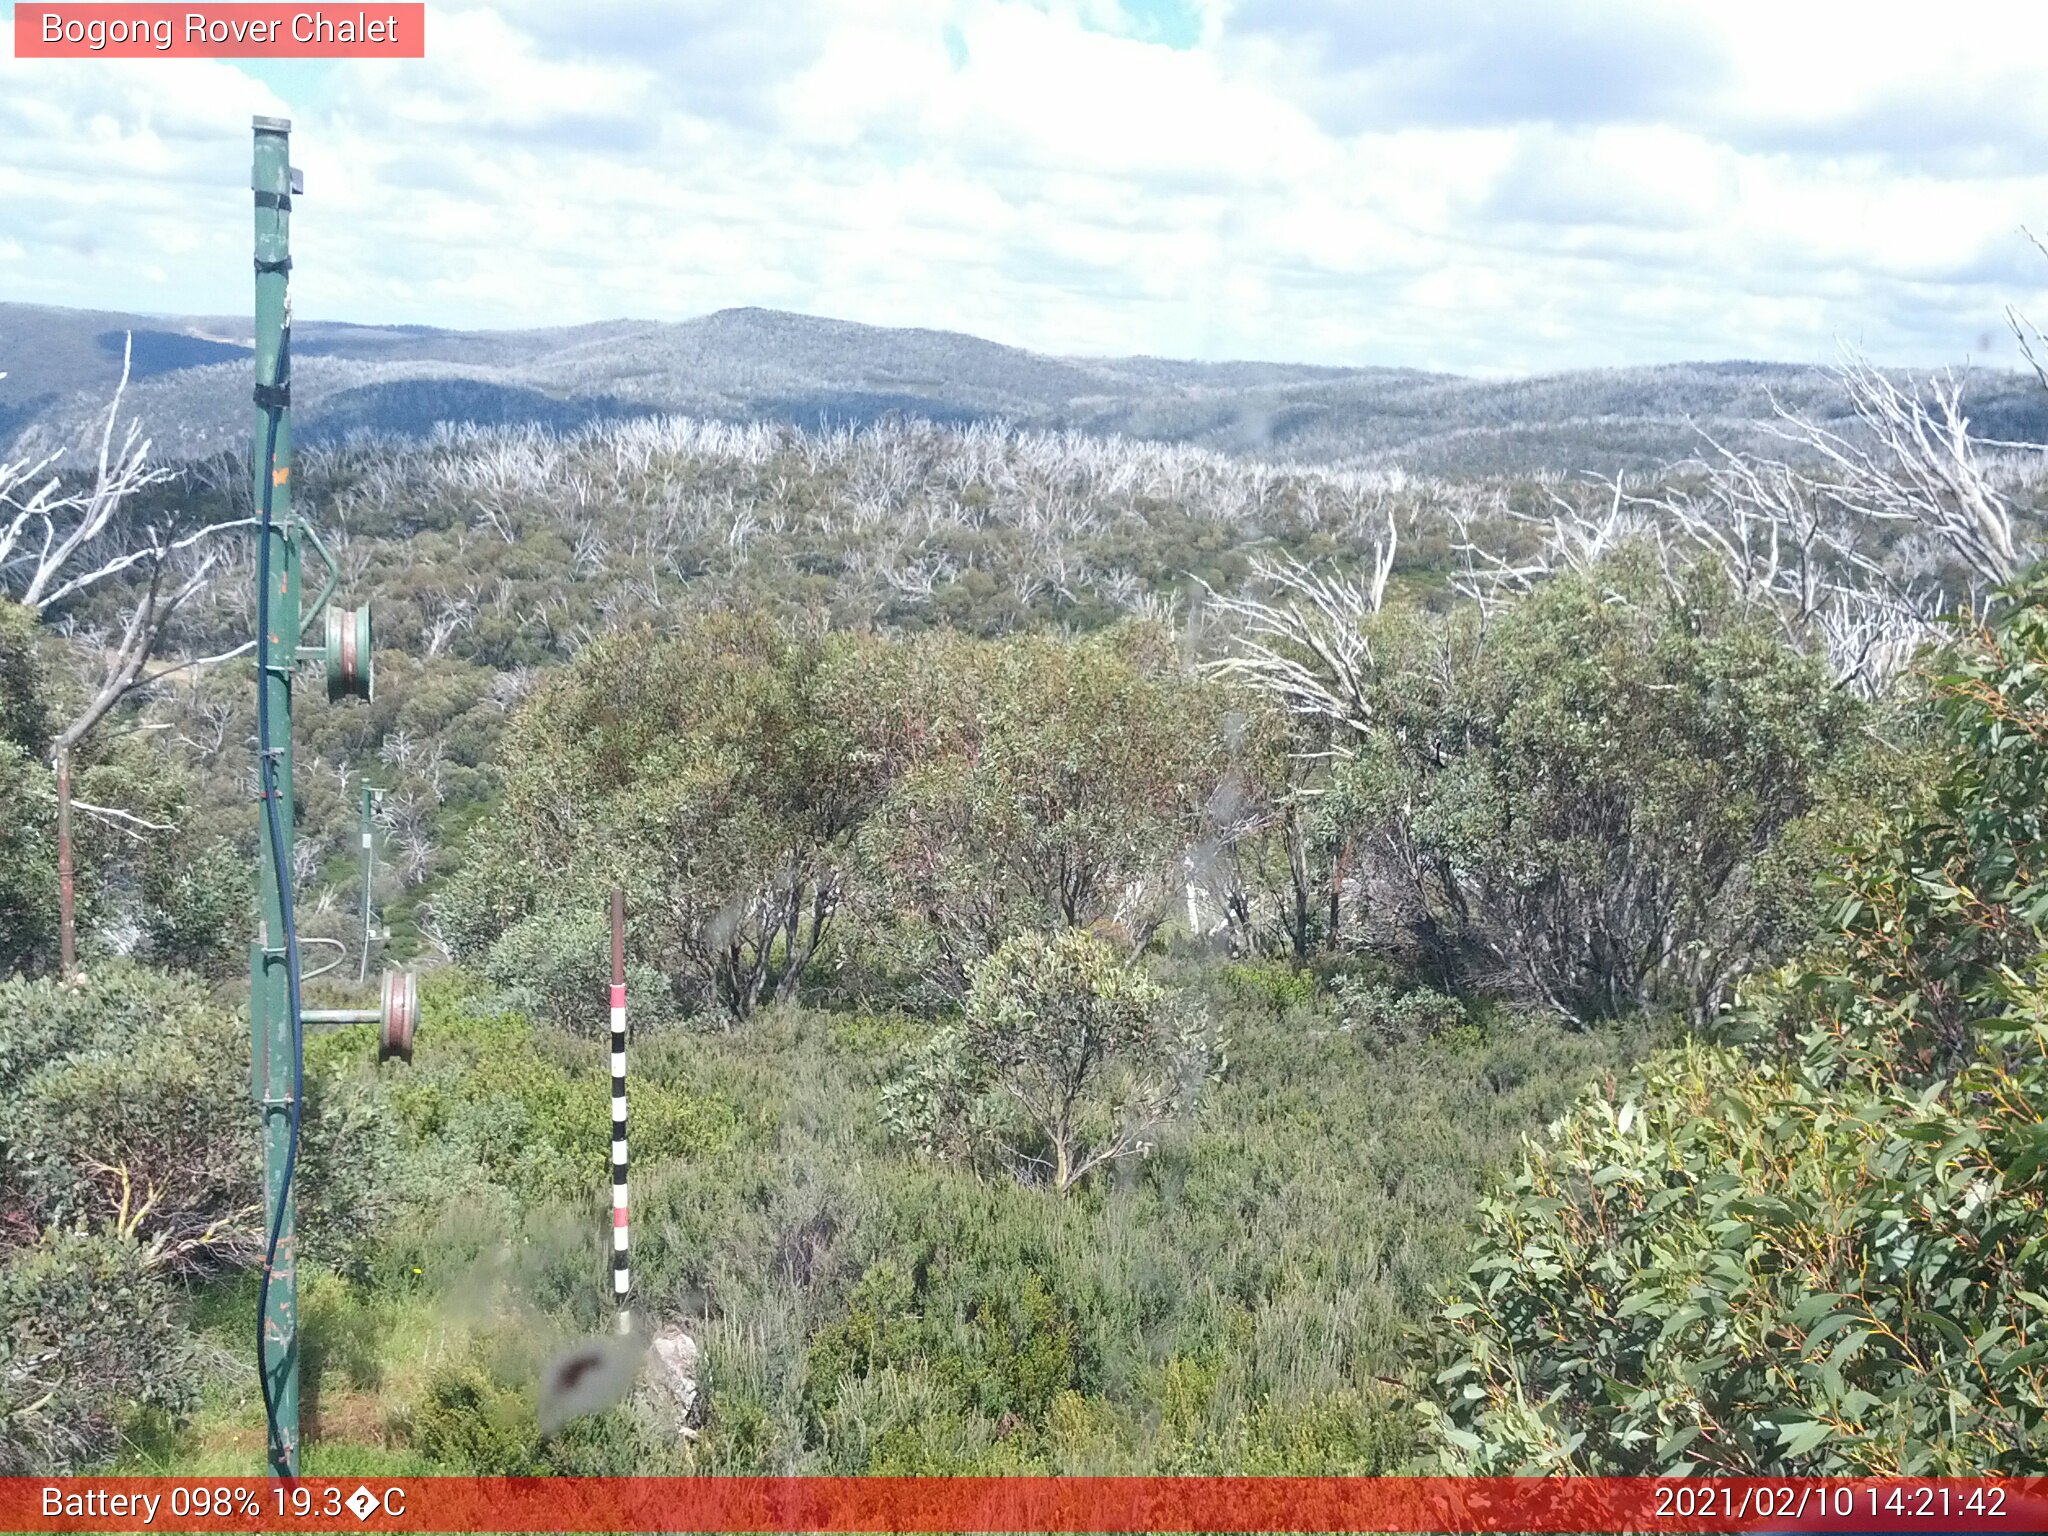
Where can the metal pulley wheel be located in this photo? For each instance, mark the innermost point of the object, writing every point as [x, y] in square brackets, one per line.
[348, 652]
[401, 1012]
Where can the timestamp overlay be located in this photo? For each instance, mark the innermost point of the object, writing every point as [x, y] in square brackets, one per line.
[1113, 1504]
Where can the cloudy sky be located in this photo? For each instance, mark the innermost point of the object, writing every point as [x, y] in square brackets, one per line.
[1491, 186]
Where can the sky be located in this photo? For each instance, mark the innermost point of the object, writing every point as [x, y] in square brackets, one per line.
[1482, 186]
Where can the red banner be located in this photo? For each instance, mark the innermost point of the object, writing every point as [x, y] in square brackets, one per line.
[365, 29]
[1117, 1504]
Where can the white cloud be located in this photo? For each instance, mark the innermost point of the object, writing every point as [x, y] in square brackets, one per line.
[1472, 184]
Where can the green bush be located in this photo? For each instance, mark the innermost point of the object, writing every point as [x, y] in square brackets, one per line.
[1276, 984]
[1576, 801]
[477, 1414]
[1034, 783]
[1066, 1059]
[471, 1424]
[199, 906]
[1390, 1015]
[557, 966]
[708, 770]
[28, 860]
[1742, 1269]
[131, 1111]
[532, 1111]
[1825, 1252]
[87, 1342]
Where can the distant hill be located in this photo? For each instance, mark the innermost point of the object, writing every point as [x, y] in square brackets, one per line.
[192, 382]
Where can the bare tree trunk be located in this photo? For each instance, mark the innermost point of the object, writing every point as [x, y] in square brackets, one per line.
[67, 910]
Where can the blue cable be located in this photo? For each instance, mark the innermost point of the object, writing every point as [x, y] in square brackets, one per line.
[281, 868]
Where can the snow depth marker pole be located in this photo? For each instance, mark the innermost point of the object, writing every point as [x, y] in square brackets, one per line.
[622, 1284]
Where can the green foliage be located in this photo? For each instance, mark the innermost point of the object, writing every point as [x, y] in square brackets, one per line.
[557, 965]
[835, 773]
[1277, 984]
[475, 1413]
[88, 1342]
[24, 702]
[198, 905]
[532, 1111]
[28, 798]
[743, 784]
[940, 1100]
[1783, 1269]
[707, 771]
[1941, 914]
[1038, 783]
[1825, 1253]
[861, 1310]
[28, 860]
[1575, 800]
[1390, 1016]
[153, 878]
[467, 1421]
[1058, 1029]
[131, 1112]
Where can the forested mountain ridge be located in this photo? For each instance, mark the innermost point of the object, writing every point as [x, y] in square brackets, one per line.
[768, 365]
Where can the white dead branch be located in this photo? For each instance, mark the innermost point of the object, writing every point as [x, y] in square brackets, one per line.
[1307, 645]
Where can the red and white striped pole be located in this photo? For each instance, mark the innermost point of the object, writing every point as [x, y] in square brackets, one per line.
[621, 1276]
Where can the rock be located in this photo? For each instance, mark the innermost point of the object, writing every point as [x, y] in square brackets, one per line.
[675, 1379]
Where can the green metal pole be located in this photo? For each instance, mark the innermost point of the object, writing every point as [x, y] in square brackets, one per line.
[369, 840]
[276, 654]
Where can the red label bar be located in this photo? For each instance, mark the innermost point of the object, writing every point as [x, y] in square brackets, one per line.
[1939, 1507]
[367, 29]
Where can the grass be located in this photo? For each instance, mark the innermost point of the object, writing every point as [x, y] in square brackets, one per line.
[1245, 1300]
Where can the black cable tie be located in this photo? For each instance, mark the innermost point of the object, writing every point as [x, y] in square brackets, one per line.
[263, 267]
[274, 397]
[281, 201]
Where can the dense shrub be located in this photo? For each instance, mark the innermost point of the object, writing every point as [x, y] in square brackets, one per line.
[743, 783]
[532, 1111]
[708, 772]
[1388, 1015]
[557, 965]
[1786, 1269]
[1822, 1253]
[87, 1342]
[28, 860]
[467, 1421]
[1586, 800]
[130, 1111]
[198, 905]
[1036, 783]
[152, 877]
[1067, 1059]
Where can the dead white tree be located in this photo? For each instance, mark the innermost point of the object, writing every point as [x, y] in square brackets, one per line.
[451, 614]
[1922, 467]
[1306, 645]
[61, 540]
[1790, 546]
[1800, 535]
[1569, 536]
